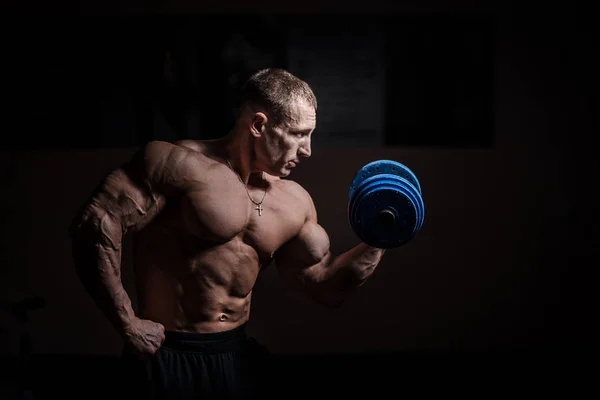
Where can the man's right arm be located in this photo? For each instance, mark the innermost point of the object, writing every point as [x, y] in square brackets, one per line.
[126, 200]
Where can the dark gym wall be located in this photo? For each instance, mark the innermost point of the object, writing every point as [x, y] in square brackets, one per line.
[503, 260]
[122, 81]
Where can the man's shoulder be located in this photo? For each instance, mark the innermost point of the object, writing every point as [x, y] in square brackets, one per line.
[190, 144]
[299, 192]
[174, 160]
[163, 153]
[293, 187]
[201, 151]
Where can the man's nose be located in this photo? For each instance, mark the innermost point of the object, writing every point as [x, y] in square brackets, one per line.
[304, 149]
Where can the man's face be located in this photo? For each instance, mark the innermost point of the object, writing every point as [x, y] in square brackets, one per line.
[284, 146]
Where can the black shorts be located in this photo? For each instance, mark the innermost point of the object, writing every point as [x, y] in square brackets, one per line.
[223, 365]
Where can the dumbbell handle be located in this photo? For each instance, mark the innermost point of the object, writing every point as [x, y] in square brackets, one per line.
[386, 218]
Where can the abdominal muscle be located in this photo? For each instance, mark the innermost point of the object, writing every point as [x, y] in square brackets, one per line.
[192, 286]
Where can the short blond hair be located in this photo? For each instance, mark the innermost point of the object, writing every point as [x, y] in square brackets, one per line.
[274, 89]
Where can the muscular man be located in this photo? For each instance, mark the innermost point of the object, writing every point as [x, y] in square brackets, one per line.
[208, 216]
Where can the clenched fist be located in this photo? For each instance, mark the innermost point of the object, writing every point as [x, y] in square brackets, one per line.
[143, 337]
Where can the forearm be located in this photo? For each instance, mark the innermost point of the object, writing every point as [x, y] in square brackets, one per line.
[125, 200]
[347, 272]
[98, 268]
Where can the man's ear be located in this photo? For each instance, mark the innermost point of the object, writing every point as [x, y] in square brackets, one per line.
[258, 124]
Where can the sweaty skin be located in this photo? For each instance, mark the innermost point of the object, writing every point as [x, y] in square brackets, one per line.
[199, 242]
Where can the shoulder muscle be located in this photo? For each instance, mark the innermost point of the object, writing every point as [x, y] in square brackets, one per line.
[308, 206]
[311, 244]
[165, 167]
[130, 196]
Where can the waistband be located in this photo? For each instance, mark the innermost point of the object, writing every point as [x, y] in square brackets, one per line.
[230, 340]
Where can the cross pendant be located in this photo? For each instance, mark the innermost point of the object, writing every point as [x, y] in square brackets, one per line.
[259, 208]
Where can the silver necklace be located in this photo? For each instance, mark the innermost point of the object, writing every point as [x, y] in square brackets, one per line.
[259, 204]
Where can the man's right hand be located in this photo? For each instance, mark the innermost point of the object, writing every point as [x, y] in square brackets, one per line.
[143, 337]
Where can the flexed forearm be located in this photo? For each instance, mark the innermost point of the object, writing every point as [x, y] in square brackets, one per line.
[354, 267]
[122, 202]
[98, 265]
[347, 272]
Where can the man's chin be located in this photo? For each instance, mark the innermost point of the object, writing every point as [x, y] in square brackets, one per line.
[281, 173]
[284, 172]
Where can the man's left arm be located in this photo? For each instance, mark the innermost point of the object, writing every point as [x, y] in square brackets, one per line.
[306, 261]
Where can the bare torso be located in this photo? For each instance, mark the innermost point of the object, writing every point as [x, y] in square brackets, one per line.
[197, 262]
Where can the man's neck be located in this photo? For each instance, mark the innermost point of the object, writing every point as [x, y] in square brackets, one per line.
[237, 151]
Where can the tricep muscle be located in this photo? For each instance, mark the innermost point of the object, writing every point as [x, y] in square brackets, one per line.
[132, 195]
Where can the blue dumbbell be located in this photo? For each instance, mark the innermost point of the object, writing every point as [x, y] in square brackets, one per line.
[385, 207]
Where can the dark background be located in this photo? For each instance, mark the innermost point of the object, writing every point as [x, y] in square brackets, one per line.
[119, 81]
[492, 105]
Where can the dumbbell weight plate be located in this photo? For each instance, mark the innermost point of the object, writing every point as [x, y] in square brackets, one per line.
[392, 181]
[385, 211]
[383, 167]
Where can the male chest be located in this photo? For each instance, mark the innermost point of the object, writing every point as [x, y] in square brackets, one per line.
[273, 222]
[264, 220]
